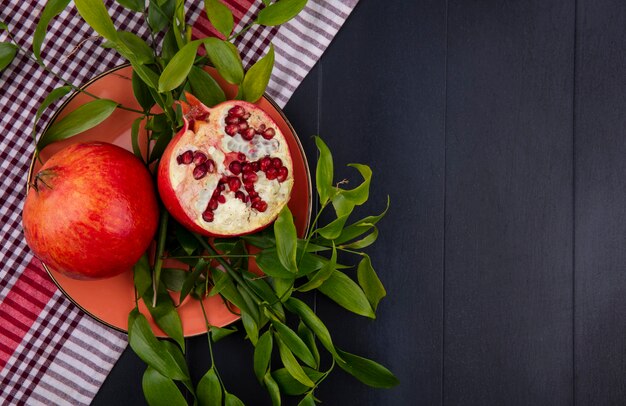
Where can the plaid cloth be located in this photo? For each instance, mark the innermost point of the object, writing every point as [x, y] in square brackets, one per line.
[50, 351]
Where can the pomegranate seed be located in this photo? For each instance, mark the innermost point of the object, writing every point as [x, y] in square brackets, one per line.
[241, 156]
[271, 174]
[185, 158]
[249, 188]
[231, 129]
[199, 171]
[255, 199]
[255, 166]
[269, 133]
[243, 126]
[265, 163]
[247, 134]
[235, 167]
[277, 163]
[240, 195]
[231, 120]
[236, 111]
[207, 216]
[221, 187]
[249, 177]
[210, 165]
[216, 192]
[282, 174]
[234, 183]
[260, 129]
[199, 158]
[221, 199]
[212, 204]
[261, 206]
[246, 167]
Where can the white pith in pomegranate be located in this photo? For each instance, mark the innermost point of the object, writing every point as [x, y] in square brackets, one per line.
[228, 171]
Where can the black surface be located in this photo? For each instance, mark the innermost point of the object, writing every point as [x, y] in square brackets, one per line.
[498, 129]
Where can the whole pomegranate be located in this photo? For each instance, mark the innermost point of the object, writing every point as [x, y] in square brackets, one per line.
[91, 211]
[228, 171]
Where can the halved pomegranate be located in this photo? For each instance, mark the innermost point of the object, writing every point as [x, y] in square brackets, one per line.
[228, 171]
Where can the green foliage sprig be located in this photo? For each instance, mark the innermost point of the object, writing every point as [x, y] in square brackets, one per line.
[293, 267]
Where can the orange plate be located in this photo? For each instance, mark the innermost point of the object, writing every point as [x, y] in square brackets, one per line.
[110, 300]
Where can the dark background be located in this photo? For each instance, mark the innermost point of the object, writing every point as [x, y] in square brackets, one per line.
[497, 129]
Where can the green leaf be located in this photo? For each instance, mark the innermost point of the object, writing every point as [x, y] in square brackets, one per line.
[83, 118]
[209, 390]
[186, 240]
[166, 316]
[324, 172]
[170, 45]
[367, 371]
[147, 75]
[307, 336]
[346, 293]
[150, 350]
[333, 229]
[295, 343]
[229, 291]
[96, 15]
[160, 390]
[225, 58]
[160, 145]
[232, 400]
[262, 355]
[286, 239]
[343, 206]
[308, 400]
[359, 194]
[290, 386]
[364, 242]
[292, 365]
[139, 48]
[52, 9]
[53, 96]
[368, 280]
[142, 275]
[283, 287]
[280, 12]
[264, 239]
[322, 275]
[134, 5]
[217, 333]
[173, 278]
[273, 389]
[313, 322]
[178, 68]
[191, 279]
[7, 54]
[157, 18]
[3, 26]
[205, 88]
[177, 355]
[269, 263]
[134, 137]
[258, 76]
[220, 16]
[359, 227]
[252, 330]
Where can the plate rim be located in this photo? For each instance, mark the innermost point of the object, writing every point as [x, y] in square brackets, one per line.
[89, 83]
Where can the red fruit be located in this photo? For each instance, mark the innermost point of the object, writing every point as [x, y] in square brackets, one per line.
[269, 133]
[282, 174]
[216, 204]
[199, 158]
[85, 216]
[277, 163]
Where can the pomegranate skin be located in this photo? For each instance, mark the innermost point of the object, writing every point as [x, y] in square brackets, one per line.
[93, 211]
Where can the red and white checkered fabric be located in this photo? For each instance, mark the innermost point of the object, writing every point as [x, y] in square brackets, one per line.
[50, 351]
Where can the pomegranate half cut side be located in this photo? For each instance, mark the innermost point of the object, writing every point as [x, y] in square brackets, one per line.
[228, 171]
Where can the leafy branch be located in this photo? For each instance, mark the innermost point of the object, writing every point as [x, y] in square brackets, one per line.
[293, 349]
